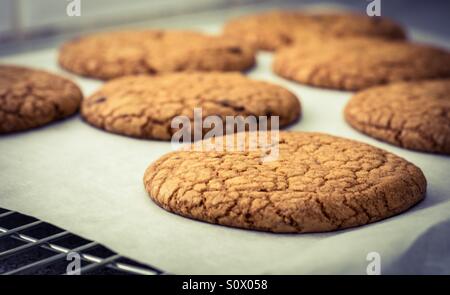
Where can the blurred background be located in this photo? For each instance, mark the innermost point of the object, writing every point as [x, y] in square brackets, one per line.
[25, 20]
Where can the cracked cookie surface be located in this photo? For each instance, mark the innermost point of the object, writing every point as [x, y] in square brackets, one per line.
[318, 183]
[358, 63]
[275, 29]
[30, 98]
[144, 106]
[413, 115]
[115, 54]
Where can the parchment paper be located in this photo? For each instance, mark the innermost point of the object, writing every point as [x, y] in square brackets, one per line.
[90, 182]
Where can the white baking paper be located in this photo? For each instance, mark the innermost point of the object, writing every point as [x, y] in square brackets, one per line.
[90, 182]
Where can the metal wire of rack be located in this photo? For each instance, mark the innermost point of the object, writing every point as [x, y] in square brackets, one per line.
[31, 246]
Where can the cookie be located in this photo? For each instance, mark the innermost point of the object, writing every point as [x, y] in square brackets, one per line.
[115, 54]
[318, 183]
[275, 29]
[144, 106]
[358, 63]
[30, 98]
[413, 115]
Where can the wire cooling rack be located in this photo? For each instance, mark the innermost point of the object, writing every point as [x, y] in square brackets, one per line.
[31, 246]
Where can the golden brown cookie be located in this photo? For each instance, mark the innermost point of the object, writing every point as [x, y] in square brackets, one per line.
[116, 54]
[144, 106]
[318, 183]
[275, 29]
[413, 115]
[358, 63]
[30, 98]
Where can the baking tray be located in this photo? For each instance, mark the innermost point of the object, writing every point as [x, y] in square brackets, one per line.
[90, 182]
